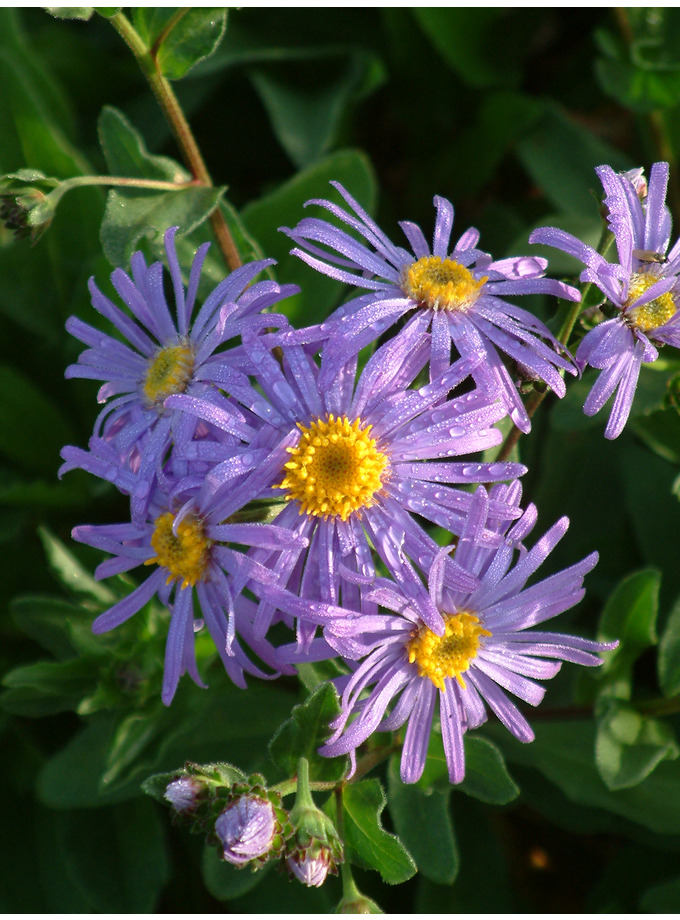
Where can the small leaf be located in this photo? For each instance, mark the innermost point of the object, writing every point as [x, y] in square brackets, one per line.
[71, 573]
[669, 654]
[423, 822]
[305, 731]
[225, 881]
[629, 616]
[180, 37]
[367, 843]
[629, 746]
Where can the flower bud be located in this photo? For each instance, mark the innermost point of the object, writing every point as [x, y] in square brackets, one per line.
[315, 848]
[311, 865]
[182, 794]
[246, 829]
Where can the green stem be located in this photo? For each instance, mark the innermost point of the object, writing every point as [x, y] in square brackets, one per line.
[664, 707]
[124, 181]
[172, 110]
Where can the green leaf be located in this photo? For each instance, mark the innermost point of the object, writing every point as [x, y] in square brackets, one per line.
[45, 620]
[486, 775]
[661, 899]
[47, 687]
[423, 823]
[305, 731]
[181, 37]
[306, 113]
[136, 213]
[629, 616]
[367, 843]
[669, 654]
[225, 881]
[284, 207]
[463, 37]
[660, 431]
[21, 407]
[70, 12]
[117, 856]
[564, 753]
[560, 156]
[629, 746]
[72, 574]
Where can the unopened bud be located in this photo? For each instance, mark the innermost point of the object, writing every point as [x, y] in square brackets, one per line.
[246, 829]
[638, 180]
[183, 794]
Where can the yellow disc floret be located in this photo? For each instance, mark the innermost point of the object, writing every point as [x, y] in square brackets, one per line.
[184, 551]
[439, 657]
[335, 469]
[653, 314]
[441, 284]
[169, 372]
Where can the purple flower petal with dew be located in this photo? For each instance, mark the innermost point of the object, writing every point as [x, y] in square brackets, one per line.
[358, 462]
[459, 291]
[167, 351]
[246, 829]
[643, 288]
[196, 557]
[488, 650]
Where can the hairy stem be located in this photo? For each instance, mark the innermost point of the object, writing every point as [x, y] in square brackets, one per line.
[186, 142]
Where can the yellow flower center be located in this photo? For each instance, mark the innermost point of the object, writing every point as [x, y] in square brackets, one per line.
[653, 314]
[169, 372]
[335, 469]
[439, 657]
[184, 554]
[441, 284]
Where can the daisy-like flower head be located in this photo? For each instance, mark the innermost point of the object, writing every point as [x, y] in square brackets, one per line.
[193, 557]
[488, 648]
[355, 464]
[460, 291]
[169, 351]
[643, 288]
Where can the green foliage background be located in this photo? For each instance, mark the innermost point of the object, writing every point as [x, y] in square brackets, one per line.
[506, 112]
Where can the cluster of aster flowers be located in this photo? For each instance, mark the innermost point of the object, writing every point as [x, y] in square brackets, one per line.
[280, 484]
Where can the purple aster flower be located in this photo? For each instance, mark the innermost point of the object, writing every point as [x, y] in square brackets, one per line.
[183, 536]
[357, 461]
[166, 353]
[459, 292]
[246, 829]
[642, 289]
[488, 649]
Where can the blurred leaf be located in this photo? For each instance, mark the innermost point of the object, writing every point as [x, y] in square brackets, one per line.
[284, 207]
[305, 731]
[423, 822]
[660, 431]
[47, 687]
[629, 746]
[117, 856]
[564, 752]
[486, 776]
[629, 616]
[661, 899]
[225, 881]
[560, 156]
[669, 654]
[70, 12]
[181, 37]
[469, 40]
[367, 843]
[560, 264]
[21, 406]
[134, 213]
[45, 620]
[71, 573]
[306, 114]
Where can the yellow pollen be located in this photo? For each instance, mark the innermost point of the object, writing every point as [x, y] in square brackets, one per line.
[335, 469]
[439, 657]
[441, 284]
[184, 554]
[653, 314]
[169, 372]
